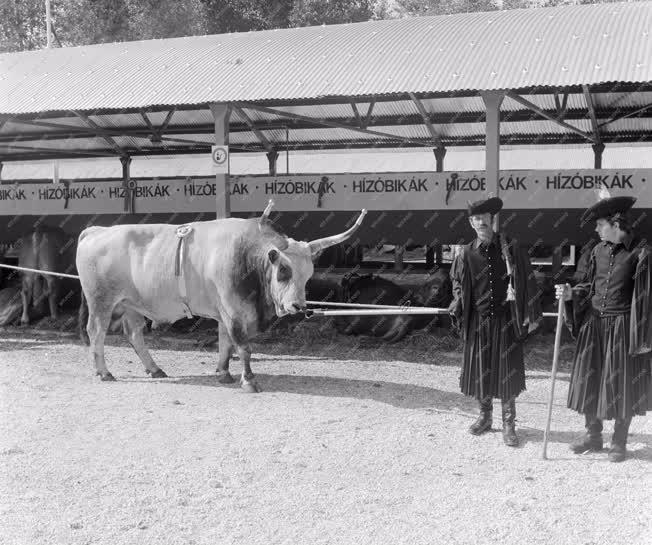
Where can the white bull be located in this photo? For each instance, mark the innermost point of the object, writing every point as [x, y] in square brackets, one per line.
[239, 272]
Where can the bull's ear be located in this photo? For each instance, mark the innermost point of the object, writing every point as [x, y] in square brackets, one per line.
[273, 255]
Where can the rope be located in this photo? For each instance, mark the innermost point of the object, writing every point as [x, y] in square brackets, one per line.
[39, 272]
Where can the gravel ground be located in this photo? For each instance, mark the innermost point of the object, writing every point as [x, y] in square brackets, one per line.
[349, 442]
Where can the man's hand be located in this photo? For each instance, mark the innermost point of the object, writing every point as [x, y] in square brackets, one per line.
[455, 308]
[563, 291]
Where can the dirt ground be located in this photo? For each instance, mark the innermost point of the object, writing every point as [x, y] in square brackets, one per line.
[350, 441]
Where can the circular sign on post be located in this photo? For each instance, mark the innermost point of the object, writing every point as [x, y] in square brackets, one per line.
[220, 157]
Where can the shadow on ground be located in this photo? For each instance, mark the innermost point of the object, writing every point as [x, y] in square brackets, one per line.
[406, 396]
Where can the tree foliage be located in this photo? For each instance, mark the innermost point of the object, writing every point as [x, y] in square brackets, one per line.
[22, 25]
[243, 15]
[81, 22]
[329, 12]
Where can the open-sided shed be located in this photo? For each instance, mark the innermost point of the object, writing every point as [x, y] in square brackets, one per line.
[574, 74]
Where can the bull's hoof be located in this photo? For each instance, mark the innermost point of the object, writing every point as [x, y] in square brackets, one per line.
[159, 373]
[250, 387]
[108, 377]
[224, 377]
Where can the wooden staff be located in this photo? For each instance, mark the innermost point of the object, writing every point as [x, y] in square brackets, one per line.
[553, 374]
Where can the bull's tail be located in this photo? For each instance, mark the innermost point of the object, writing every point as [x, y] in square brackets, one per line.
[83, 320]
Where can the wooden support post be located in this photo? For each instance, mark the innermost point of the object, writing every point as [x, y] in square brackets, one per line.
[598, 149]
[272, 157]
[221, 114]
[440, 153]
[126, 178]
[492, 101]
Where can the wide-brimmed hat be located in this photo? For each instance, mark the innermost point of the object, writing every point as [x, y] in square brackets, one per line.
[493, 205]
[607, 208]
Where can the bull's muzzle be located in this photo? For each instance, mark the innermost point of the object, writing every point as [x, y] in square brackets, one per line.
[292, 308]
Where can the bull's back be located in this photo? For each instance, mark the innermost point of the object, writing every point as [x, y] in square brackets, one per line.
[137, 263]
[137, 250]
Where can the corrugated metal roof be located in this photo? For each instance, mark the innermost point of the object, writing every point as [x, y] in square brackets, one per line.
[514, 49]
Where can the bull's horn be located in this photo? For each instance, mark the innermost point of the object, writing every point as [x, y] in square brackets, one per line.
[322, 243]
[267, 210]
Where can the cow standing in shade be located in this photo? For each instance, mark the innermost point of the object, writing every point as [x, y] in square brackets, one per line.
[240, 272]
[42, 250]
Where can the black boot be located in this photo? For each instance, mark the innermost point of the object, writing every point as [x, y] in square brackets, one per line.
[484, 421]
[591, 441]
[618, 450]
[509, 417]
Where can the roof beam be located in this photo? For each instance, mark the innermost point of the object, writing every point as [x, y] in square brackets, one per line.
[185, 141]
[3, 120]
[91, 153]
[252, 126]
[157, 131]
[478, 140]
[543, 113]
[71, 132]
[561, 106]
[591, 108]
[357, 115]
[333, 124]
[436, 138]
[625, 115]
[101, 133]
[370, 111]
[48, 125]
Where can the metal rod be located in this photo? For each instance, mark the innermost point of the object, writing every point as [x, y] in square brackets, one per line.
[553, 375]
[403, 309]
[383, 311]
[351, 305]
[375, 312]
[38, 272]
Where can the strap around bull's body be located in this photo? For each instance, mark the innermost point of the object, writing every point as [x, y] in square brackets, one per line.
[182, 232]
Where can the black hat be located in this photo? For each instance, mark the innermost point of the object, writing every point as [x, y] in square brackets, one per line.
[607, 208]
[492, 206]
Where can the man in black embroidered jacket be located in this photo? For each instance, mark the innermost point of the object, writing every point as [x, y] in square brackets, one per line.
[609, 312]
[496, 299]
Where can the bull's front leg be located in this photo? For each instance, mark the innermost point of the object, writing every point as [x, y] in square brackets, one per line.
[225, 350]
[247, 380]
[53, 290]
[239, 336]
[26, 292]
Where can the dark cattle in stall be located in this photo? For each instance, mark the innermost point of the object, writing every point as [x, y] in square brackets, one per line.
[240, 272]
[45, 249]
[370, 289]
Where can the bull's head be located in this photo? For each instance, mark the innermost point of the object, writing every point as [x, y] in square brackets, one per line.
[292, 267]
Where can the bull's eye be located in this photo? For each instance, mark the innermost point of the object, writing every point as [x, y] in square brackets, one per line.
[284, 273]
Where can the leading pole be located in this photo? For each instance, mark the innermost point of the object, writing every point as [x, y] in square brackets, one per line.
[553, 374]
